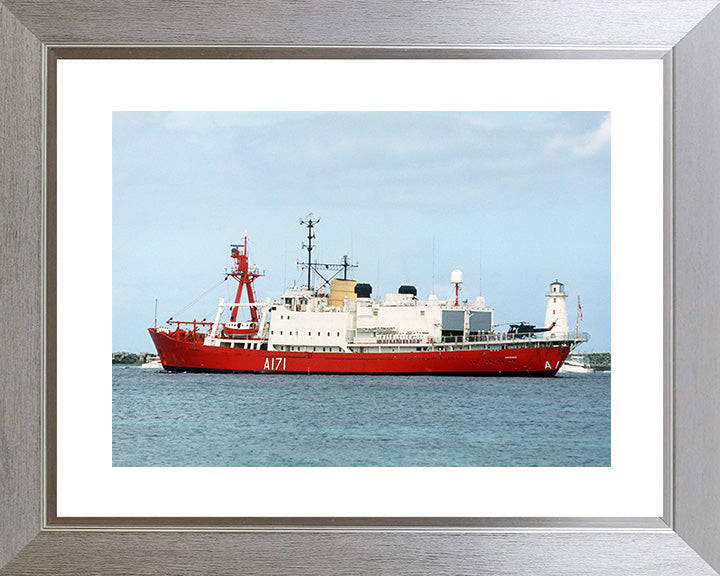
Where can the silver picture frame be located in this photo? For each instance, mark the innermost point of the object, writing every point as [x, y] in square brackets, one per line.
[685, 34]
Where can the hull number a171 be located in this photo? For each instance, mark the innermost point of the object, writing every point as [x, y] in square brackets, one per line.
[275, 363]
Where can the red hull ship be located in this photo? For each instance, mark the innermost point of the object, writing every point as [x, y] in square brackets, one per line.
[340, 329]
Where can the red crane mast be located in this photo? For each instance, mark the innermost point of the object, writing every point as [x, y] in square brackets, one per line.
[245, 276]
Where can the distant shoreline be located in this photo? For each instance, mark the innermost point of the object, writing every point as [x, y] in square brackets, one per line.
[130, 358]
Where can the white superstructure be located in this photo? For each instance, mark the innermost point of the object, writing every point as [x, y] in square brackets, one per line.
[341, 321]
[303, 321]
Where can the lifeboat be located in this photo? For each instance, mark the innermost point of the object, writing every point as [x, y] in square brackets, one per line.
[240, 329]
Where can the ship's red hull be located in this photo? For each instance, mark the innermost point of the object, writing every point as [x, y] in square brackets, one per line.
[193, 356]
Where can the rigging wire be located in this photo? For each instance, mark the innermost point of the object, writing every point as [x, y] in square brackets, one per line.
[199, 298]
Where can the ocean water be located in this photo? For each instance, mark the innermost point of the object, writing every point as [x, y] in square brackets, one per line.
[176, 419]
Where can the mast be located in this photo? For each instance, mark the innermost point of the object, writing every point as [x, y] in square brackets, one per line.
[578, 317]
[309, 223]
[315, 266]
[245, 276]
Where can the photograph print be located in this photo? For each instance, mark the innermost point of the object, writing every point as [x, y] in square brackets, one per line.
[346, 289]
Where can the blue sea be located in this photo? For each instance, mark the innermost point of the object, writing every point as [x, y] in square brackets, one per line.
[177, 419]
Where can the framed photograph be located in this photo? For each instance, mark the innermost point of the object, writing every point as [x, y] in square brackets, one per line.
[123, 172]
[370, 395]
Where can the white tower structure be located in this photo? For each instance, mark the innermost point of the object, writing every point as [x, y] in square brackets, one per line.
[556, 310]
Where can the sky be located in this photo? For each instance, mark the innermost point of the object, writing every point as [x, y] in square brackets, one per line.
[515, 200]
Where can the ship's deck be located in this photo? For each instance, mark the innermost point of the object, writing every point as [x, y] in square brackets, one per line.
[493, 341]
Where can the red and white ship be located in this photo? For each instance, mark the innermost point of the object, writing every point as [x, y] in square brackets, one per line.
[340, 329]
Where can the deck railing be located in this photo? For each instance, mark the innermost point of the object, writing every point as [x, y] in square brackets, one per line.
[505, 336]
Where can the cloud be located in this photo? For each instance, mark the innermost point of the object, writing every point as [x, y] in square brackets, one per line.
[420, 159]
[594, 141]
[203, 122]
[586, 144]
[483, 123]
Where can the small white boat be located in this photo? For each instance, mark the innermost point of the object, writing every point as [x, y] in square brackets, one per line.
[152, 362]
[577, 363]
